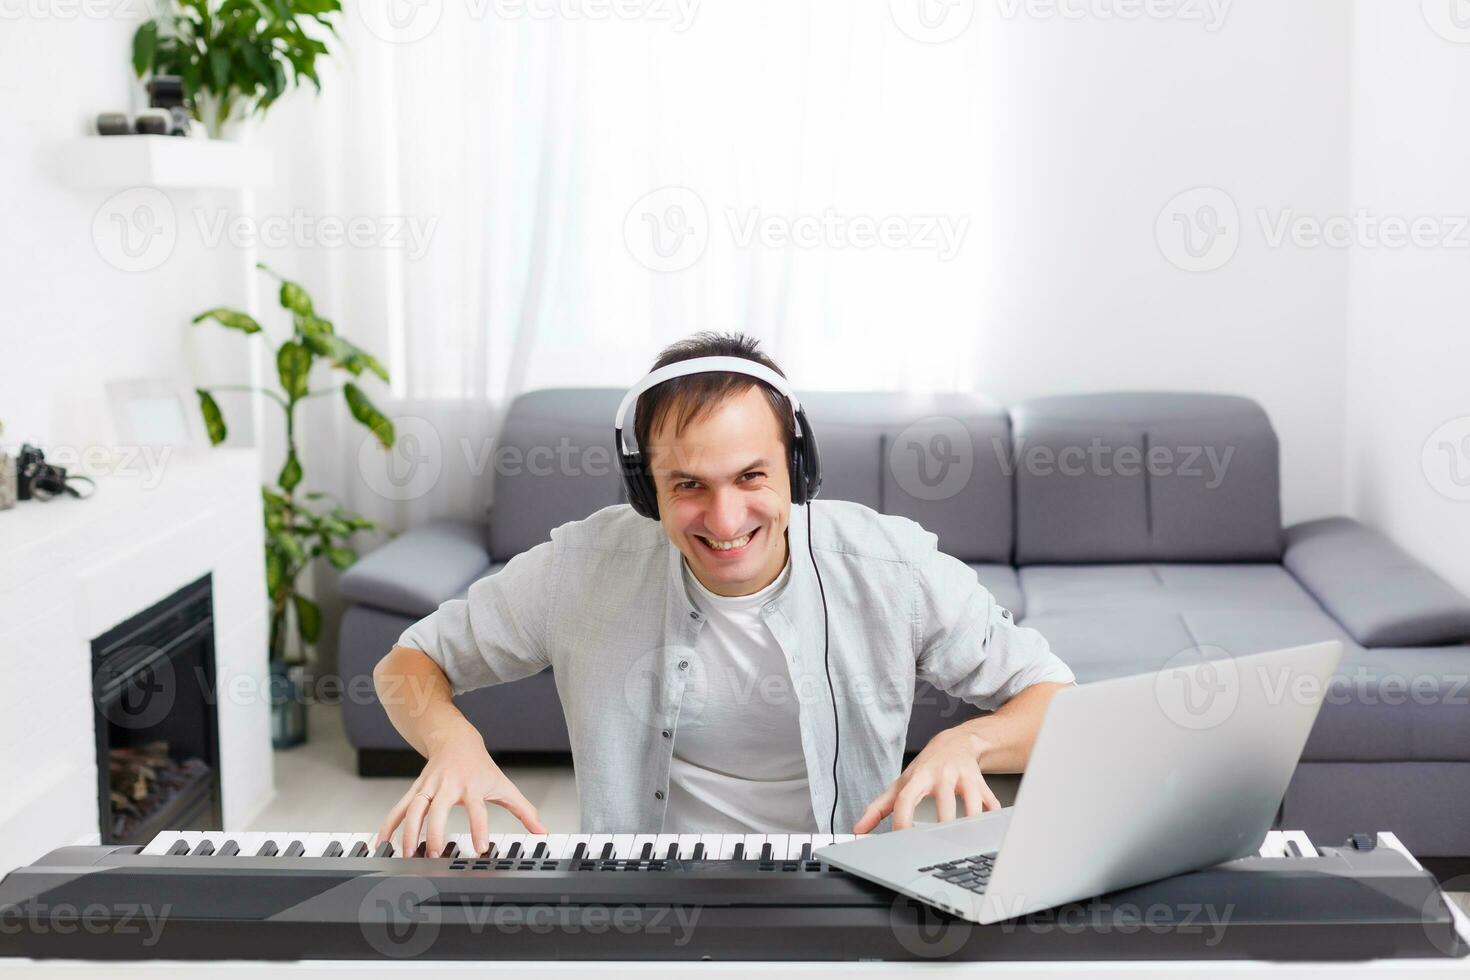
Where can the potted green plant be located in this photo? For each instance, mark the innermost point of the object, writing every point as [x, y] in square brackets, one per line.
[299, 527]
[235, 57]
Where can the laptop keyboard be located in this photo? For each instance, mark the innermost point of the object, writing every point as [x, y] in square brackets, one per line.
[972, 872]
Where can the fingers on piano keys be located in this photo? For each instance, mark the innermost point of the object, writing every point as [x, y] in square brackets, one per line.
[502, 847]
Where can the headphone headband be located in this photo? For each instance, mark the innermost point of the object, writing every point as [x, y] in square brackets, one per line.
[702, 365]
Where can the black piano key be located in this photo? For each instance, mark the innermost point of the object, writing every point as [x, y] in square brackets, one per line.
[204, 849]
[422, 849]
[607, 851]
[580, 852]
[698, 852]
[334, 849]
[295, 849]
[539, 851]
[513, 852]
[673, 853]
[384, 850]
[739, 853]
[1293, 848]
[360, 849]
[267, 850]
[647, 853]
[181, 846]
[806, 853]
[450, 850]
[228, 849]
[766, 851]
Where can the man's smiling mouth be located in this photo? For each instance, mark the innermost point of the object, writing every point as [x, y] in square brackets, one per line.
[729, 546]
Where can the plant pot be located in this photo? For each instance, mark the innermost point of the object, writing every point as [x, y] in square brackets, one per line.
[232, 123]
[288, 706]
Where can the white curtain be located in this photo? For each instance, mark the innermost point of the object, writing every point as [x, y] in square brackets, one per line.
[579, 183]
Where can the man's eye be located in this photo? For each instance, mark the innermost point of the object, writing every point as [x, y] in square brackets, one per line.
[752, 473]
[685, 485]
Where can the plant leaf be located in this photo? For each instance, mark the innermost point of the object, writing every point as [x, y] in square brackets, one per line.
[145, 43]
[294, 298]
[275, 570]
[214, 419]
[365, 412]
[233, 319]
[290, 473]
[308, 618]
[293, 364]
[341, 557]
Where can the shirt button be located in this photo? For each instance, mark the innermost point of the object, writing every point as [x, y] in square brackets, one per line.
[693, 614]
[683, 665]
[666, 733]
[658, 794]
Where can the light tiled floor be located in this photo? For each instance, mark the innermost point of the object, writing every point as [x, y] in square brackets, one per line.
[318, 789]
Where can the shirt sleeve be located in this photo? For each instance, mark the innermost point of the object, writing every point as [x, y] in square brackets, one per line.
[499, 633]
[969, 645]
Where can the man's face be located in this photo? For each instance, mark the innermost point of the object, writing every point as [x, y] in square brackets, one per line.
[724, 493]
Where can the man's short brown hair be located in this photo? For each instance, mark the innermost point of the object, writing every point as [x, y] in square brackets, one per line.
[693, 396]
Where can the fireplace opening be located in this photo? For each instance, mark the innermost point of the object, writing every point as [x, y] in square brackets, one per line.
[157, 725]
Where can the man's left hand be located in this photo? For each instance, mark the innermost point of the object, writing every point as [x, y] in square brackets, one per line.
[948, 766]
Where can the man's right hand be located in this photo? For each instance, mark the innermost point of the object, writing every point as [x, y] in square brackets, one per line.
[459, 773]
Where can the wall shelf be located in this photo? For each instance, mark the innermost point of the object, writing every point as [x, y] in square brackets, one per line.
[166, 162]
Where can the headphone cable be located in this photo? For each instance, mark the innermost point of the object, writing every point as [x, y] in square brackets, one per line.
[827, 663]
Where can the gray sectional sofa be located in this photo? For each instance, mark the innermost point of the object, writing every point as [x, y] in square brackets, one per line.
[1126, 527]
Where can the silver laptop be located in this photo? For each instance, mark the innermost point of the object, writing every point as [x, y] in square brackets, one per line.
[1130, 780]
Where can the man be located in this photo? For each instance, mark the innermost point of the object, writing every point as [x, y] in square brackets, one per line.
[743, 664]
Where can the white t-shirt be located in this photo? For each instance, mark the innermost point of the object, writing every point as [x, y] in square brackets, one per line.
[738, 765]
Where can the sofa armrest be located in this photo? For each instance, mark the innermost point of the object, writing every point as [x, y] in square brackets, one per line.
[419, 569]
[1376, 590]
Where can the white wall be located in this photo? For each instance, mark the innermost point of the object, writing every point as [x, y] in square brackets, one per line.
[69, 321]
[1408, 342]
[1096, 125]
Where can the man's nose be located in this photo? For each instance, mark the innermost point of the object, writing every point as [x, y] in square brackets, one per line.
[726, 515]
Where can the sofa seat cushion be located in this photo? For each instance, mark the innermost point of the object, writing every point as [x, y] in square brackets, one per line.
[1001, 582]
[419, 569]
[1161, 588]
[1102, 644]
[1384, 703]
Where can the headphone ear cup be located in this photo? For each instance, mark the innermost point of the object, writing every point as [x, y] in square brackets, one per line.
[806, 463]
[638, 482]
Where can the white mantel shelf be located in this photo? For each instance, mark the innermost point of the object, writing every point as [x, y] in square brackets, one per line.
[72, 569]
[166, 162]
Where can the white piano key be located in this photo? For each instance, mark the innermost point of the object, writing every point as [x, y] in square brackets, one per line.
[596, 844]
[1302, 841]
[161, 842]
[778, 846]
[712, 843]
[663, 842]
[316, 844]
[821, 840]
[686, 844]
[248, 843]
[753, 844]
[794, 844]
[642, 840]
[844, 838]
[495, 845]
[623, 846]
[464, 845]
[1274, 846]
[727, 845]
[557, 846]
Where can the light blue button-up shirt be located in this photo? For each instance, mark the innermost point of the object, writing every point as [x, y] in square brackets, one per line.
[604, 604]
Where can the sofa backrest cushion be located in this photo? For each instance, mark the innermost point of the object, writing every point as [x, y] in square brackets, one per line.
[1145, 477]
[553, 463]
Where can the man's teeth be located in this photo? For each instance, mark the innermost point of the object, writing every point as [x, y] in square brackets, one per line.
[728, 545]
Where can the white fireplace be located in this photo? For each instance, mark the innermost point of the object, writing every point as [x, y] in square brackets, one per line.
[72, 569]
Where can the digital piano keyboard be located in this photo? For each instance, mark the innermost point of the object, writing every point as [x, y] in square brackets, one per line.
[297, 895]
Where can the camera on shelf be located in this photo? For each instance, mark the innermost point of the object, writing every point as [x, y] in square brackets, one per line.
[40, 480]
